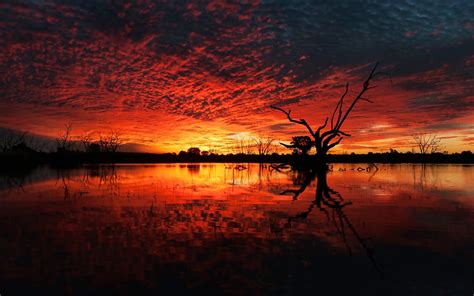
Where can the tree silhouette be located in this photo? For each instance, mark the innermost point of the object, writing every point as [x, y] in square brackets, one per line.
[63, 142]
[13, 142]
[194, 151]
[427, 143]
[243, 146]
[86, 141]
[301, 144]
[110, 142]
[263, 145]
[326, 140]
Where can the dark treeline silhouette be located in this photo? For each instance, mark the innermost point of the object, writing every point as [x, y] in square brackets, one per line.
[11, 160]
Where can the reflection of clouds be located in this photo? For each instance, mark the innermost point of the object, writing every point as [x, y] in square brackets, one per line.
[206, 203]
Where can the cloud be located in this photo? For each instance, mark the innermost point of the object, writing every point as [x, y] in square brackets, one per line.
[221, 64]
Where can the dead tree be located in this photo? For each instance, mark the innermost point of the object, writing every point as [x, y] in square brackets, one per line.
[110, 142]
[327, 138]
[11, 141]
[63, 142]
[427, 143]
[243, 146]
[263, 145]
[86, 141]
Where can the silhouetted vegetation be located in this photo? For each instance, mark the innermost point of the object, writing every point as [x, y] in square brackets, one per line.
[64, 141]
[110, 142]
[263, 145]
[301, 145]
[325, 139]
[16, 152]
[427, 143]
[17, 142]
[194, 151]
[12, 160]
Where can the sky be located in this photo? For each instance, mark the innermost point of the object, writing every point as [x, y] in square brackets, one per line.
[169, 75]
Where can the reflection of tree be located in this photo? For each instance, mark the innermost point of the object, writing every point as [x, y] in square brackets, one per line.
[193, 168]
[12, 181]
[107, 175]
[424, 176]
[66, 188]
[255, 176]
[64, 177]
[330, 202]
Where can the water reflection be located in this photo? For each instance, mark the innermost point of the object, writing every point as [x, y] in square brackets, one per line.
[237, 229]
[328, 200]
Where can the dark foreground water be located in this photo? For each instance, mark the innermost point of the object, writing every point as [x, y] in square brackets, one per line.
[216, 230]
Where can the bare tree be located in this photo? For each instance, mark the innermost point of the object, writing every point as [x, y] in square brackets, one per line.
[110, 142]
[263, 145]
[12, 141]
[243, 146]
[63, 142]
[213, 150]
[326, 140]
[38, 144]
[427, 143]
[86, 141]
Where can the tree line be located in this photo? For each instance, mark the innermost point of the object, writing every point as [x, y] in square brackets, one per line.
[111, 141]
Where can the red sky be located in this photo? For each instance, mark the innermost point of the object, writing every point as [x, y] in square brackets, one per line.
[169, 76]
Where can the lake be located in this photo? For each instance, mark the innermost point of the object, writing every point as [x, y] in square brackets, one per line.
[225, 229]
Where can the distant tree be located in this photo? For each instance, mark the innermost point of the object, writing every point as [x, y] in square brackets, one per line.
[326, 140]
[86, 141]
[63, 142]
[194, 151]
[427, 143]
[263, 145]
[243, 146]
[212, 150]
[300, 144]
[12, 141]
[182, 153]
[93, 148]
[110, 142]
[37, 143]
[205, 153]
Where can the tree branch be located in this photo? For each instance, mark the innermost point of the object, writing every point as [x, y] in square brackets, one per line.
[301, 121]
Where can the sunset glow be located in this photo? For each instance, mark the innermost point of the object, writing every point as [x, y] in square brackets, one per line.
[174, 74]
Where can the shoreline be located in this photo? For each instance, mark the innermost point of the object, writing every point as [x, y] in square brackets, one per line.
[70, 159]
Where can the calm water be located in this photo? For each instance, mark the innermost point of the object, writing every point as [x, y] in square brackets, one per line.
[213, 229]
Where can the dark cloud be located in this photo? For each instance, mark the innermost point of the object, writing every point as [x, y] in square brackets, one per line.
[439, 104]
[449, 126]
[279, 126]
